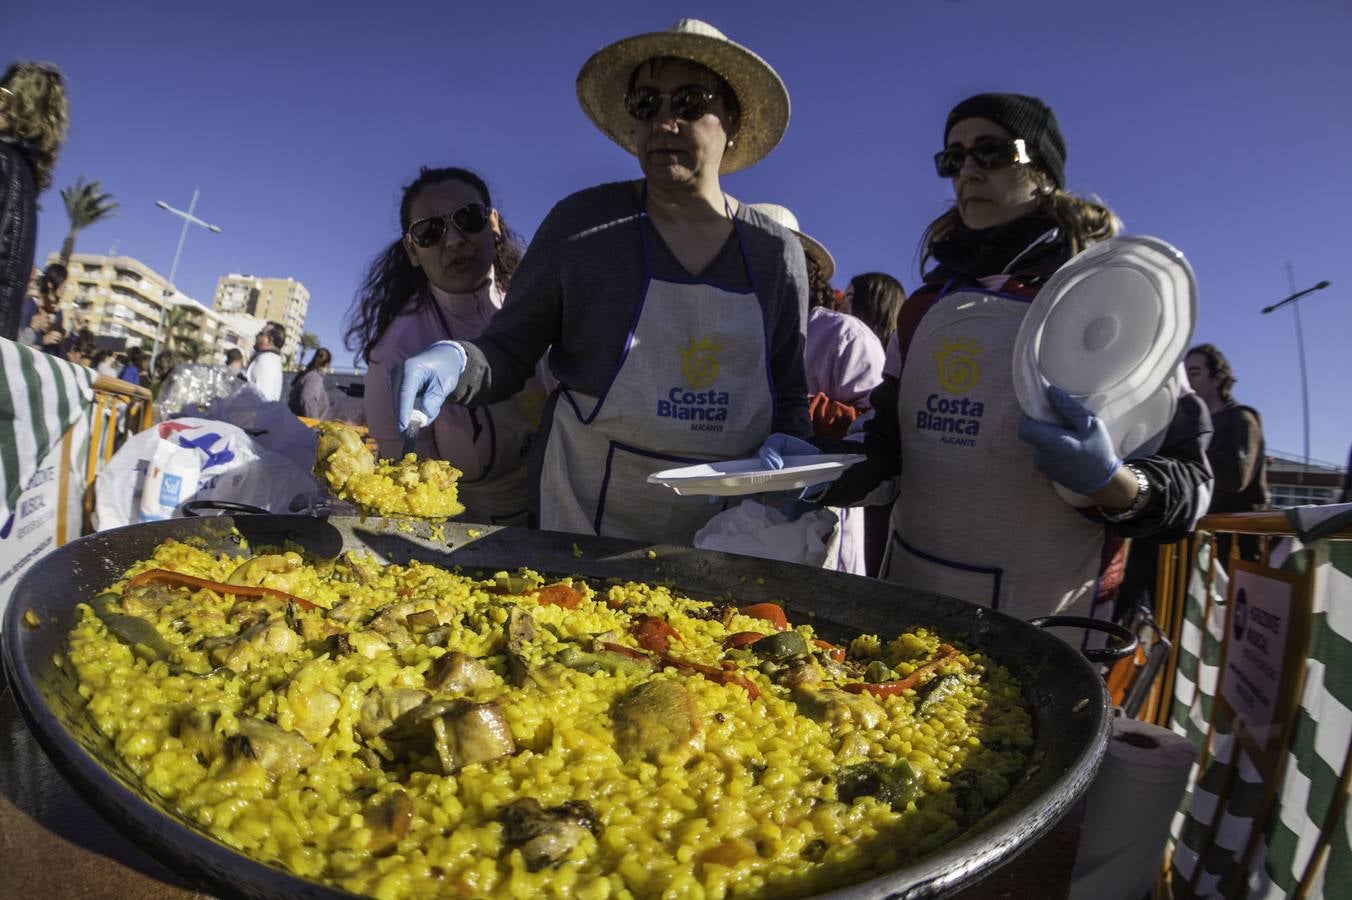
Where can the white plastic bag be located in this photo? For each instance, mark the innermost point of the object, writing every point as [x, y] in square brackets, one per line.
[232, 467]
[171, 479]
[753, 529]
[271, 423]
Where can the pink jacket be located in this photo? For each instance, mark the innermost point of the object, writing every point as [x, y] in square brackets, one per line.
[488, 445]
[844, 358]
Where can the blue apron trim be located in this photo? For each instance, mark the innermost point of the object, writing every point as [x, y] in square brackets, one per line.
[492, 429]
[1095, 601]
[637, 451]
[996, 572]
[588, 418]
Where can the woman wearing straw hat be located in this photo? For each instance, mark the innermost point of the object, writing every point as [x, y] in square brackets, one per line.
[978, 515]
[844, 363]
[673, 315]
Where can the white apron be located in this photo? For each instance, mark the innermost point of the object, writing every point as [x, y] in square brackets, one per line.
[974, 519]
[693, 385]
[490, 444]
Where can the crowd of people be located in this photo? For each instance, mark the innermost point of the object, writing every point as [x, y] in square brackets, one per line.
[657, 321]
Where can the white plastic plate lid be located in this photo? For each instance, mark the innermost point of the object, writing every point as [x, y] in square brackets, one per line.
[1111, 328]
[736, 477]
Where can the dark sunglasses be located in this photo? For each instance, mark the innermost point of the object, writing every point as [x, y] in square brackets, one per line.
[689, 102]
[471, 218]
[988, 154]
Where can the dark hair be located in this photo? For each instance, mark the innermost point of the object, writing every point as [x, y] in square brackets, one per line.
[877, 301]
[819, 291]
[1217, 366]
[322, 357]
[276, 333]
[53, 276]
[731, 105]
[135, 357]
[392, 282]
[233, 354]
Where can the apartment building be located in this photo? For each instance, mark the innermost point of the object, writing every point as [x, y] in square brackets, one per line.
[282, 300]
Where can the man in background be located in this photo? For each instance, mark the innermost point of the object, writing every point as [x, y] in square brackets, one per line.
[1237, 454]
[265, 370]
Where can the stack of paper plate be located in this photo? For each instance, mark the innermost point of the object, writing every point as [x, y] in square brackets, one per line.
[1111, 328]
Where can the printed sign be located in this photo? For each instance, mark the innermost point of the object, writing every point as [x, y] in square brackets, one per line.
[1266, 629]
[39, 523]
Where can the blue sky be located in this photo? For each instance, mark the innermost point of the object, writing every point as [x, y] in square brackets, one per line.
[1222, 127]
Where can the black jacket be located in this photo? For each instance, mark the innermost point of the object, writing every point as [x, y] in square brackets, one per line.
[18, 231]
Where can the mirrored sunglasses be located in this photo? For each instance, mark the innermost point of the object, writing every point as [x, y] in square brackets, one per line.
[689, 102]
[987, 153]
[469, 219]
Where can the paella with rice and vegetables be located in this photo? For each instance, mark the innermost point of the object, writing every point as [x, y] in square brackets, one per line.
[409, 731]
[421, 488]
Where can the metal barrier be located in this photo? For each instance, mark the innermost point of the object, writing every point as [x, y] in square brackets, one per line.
[1253, 818]
[120, 410]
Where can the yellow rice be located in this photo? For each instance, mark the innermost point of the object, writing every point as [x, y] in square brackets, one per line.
[755, 813]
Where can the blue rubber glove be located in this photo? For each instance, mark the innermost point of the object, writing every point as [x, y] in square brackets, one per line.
[1079, 456]
[777, 446]
[426, 379]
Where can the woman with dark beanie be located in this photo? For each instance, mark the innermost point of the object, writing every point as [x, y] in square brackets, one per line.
[978, 516]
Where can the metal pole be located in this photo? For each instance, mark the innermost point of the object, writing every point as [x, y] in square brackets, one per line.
[188, 219]
[1300, 350]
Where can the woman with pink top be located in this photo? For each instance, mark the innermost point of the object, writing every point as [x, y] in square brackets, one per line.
[444, 279]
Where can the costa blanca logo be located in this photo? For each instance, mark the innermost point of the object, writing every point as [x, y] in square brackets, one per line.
[699, 362]
[956, 363]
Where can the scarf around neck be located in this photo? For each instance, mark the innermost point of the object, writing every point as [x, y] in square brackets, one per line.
[980, 253]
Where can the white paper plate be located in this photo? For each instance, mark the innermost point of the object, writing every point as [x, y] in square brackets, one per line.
[734, 477]
[1111, 328]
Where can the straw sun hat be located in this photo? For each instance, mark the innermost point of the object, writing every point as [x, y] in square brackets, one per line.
[782, 215]
[604, 80]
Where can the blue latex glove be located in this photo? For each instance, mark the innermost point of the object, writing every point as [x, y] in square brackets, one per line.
[425, 380]
[1079, 456]
[777, 446]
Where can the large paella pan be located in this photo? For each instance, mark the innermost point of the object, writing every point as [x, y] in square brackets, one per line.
[1060, 689]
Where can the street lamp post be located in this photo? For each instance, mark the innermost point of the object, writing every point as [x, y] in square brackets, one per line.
[188, 219]
[1300, 347]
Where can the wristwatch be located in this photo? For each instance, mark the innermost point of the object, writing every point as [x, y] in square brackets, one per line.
[1142, 497]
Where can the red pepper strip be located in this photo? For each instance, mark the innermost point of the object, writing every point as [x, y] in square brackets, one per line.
[836, 653]
[653, 633]
[625, 651]
[770, 612]
[178, 579]
[558, 595]
[718, 676]
[742, 639]
[893, 688]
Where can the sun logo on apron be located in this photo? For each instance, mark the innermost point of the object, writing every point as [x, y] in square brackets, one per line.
[699, 361]
[956, 362]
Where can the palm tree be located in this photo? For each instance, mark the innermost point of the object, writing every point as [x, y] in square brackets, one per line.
[308, 341]
[85, 205]
[178, 325]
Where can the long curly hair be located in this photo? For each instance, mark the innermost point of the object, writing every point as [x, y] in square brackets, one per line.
[33, 108]
[1218, 367]
[819, 291]
[1083, 220]
[877, 301]
[392, 282]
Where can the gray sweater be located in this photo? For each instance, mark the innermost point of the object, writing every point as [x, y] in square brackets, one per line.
[577, 288]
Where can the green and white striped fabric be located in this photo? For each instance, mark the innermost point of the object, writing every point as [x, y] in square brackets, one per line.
[1206, 863]
[40, 398]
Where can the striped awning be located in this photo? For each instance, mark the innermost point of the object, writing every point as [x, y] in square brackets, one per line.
[40, 398]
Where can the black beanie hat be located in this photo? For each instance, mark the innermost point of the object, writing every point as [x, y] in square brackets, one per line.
[1023, 117]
